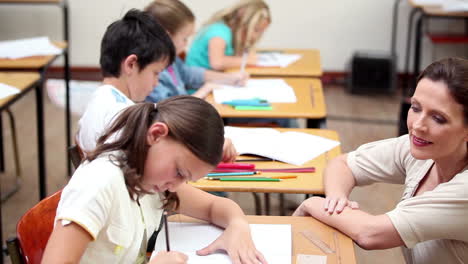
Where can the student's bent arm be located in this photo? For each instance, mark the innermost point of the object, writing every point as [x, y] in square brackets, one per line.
[202, 205]
[339, 182]
[219, 61]
[66, 244]
[368, 231]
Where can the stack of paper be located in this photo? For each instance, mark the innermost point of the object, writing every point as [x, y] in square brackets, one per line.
[7, 90]
[276, 59]
[190, 237]
[272, 90]
[20, 48]
[291, 147]
[455, 5]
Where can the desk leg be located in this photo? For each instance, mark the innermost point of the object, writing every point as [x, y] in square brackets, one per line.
[417, 48]
[1, 229]
[40, 140]
[407, 85]
[281, 204]
[258, 205]
[267, 203]
[2, 157]
[317, 123]
[67, 110]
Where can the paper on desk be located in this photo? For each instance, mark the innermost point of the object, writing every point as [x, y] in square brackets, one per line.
[7, 90]
[276, 59]
[272, 90]
[428, 2]
[455, 5]
[290, 147]
[311, 259]
[20, 48]
[190, 237]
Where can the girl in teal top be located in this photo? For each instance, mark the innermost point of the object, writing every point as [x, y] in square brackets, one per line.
[222, 41]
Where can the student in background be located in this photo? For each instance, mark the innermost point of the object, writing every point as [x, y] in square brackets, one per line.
[222, 40]
[432, 161]
[134, 51]
[179, 78]
[115, 199]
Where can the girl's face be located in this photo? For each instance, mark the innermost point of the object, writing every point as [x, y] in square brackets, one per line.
[258, 31]
[169, 163]
[436, 123]
[180, 38]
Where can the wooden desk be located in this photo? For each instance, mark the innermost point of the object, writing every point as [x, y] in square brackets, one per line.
[41, 64]
[310, 104]
[307, 66]
[31, 63]
[305, 183]
[302, 245]
[25, 82]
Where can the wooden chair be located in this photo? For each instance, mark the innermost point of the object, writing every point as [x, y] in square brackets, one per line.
[33, 231]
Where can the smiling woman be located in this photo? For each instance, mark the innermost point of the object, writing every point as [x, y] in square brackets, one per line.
[115, 199]
[431, 161]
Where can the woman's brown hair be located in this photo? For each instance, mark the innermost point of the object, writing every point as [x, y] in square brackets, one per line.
[454, 73]
[191, 121]
[173, 15]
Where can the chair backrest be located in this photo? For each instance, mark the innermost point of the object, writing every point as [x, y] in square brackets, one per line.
[34, 229]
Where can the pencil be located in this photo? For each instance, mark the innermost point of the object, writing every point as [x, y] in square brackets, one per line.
[168, 247]
[245, 179]
[254, 159]
[244, 60]
[233, 173]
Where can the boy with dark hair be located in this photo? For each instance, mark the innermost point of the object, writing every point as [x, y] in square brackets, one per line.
[134, 50]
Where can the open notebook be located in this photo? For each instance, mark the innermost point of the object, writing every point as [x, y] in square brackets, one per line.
[276, 59]
[291, 147]
[190, 237]
[272, 90]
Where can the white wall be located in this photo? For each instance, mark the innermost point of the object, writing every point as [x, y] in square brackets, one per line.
[336, 27]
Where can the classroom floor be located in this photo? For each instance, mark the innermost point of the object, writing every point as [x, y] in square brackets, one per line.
[358, 119]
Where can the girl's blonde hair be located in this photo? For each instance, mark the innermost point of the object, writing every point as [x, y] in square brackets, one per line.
[242, 17]
[173, 15]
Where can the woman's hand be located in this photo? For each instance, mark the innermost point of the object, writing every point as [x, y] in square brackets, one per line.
[330, 204]
[336, 204]
[236, 240]
[171, 257]
[229, 151]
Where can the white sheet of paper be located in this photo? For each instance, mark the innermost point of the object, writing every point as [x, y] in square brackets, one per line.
[276, 59]
[311, 259]
[272, 90]
[7, 90]
[20, 48]
[190, 237]
[291, 147]
[428, 2]
[455, 5]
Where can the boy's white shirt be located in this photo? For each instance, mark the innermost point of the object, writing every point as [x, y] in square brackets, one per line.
[104, 106]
